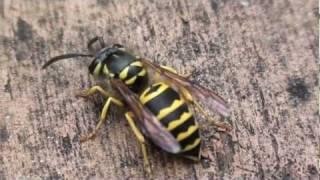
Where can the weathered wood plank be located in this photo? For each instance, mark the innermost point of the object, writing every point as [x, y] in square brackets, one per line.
[260, 55]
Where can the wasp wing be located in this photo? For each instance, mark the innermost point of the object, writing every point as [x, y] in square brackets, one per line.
[146, 121]
[206, 96]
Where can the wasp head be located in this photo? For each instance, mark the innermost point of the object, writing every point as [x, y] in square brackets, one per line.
[98, 65]
[98, 51]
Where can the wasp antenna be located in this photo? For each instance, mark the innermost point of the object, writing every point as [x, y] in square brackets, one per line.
[64, 56]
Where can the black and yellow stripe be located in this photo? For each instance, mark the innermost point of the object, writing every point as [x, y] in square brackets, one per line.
[173, 113]
[125, 66]
[134, 76]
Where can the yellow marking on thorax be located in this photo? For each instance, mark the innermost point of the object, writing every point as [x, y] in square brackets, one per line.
[134, 78]
[187, 133]
[124, 73]
[131, 80]
[145, 98]
[164, 112]
[142, 72]
[193, 145]
[183, 118]
[137, 63]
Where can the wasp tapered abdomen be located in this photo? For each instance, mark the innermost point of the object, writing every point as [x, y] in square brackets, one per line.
[173, 113]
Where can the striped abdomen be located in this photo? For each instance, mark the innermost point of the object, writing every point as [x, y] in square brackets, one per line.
[174, 114]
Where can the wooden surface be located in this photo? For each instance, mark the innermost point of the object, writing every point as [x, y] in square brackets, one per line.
[260, 55]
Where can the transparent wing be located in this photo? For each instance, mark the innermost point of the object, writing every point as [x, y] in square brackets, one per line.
[146, 121]
[209, 98]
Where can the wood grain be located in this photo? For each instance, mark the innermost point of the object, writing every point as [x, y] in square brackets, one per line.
[262, 56]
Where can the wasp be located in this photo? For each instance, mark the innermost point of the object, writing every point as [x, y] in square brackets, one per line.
[156, 98]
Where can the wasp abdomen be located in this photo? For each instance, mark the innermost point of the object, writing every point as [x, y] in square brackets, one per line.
[173, 113]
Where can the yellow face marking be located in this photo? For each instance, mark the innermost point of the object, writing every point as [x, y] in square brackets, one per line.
[137, 63]
[164, 112]
[187, 133]
[183, 118]
[193, 145]
[169, 69]
[106, 71]
[124, 73]
[131, 80]
[97, 69]
[145, 98]
[142, 73]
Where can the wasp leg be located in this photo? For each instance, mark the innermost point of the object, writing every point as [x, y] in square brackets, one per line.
[140, 137]
[102, 117]
[222, 126]
[91, 91]
[184, 73]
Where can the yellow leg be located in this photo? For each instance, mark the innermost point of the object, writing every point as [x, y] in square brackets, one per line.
[184, 74]
[102, 117]
[222, 126]
[141, 140]
[91, 91]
